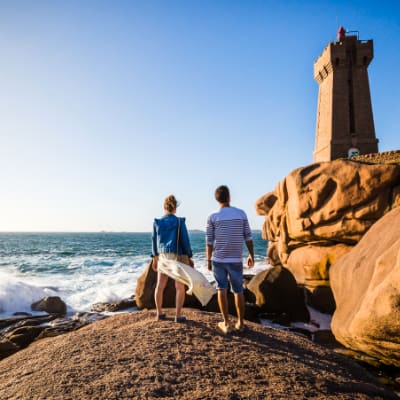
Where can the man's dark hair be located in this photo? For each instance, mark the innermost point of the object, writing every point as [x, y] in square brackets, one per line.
[222, 194]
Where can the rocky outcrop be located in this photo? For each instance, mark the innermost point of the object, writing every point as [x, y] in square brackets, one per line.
[24, 335]
[132, 356]
[115, 306]
[318, 213]
[51, 305]
[145, 287]
[7, 347]
[17, 333]
[366, 286]
[310, 264]
[385, 157]
[275, 291]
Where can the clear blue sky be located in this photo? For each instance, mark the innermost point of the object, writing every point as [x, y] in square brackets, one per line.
[106, 107]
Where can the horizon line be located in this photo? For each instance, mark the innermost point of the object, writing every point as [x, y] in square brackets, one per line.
[101, 231]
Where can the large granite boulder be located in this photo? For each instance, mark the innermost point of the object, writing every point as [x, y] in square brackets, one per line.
[251, 310]
[341, 199]
[310, 264]
[366, 286]
[319, 212]
[275, 291]
[145, 288]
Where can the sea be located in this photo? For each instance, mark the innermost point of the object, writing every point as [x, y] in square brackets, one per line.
[84, 268]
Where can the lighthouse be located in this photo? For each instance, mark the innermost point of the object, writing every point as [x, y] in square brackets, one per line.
[345, 123]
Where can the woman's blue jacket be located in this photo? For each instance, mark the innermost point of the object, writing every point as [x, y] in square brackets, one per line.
[164, 238]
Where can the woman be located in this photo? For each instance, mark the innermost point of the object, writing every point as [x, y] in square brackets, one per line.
[170, 242]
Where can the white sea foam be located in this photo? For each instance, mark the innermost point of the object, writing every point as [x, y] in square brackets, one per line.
[318, 321]
[79, 290]
[17, 296]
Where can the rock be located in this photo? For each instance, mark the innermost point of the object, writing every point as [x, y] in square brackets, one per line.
[5, 322]
[86, 317]
[326, 339]
[113, 307]
[131, 356]
[319, 212]
[62, 326]
[276, 291]
[338, 200]
[22, 314]
[384, 157]
[366, 286]
[251, 311]
[311, 263]
[263, 207]
[32, 321]
[14, 322]
[265, 203]
[51, 305]
[18, 333]
[7, 348]
[321, 298]
[23, 336]
[145, 287]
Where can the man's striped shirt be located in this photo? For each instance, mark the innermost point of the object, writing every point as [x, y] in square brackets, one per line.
[227, 230]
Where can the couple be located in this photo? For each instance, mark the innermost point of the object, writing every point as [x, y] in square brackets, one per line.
[227, 230]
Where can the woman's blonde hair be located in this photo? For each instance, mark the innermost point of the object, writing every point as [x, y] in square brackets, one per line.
[170, 203]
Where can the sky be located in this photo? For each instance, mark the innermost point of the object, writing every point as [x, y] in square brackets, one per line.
[107, 107]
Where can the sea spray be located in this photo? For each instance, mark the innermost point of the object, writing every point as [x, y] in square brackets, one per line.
[16, 296]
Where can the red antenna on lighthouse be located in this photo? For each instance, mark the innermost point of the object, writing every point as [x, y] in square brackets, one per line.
[341, 34]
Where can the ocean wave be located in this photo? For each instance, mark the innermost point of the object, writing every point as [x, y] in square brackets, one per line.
[17, 296]
[82, 269]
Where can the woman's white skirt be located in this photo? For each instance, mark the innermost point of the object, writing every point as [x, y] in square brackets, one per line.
[197, 283]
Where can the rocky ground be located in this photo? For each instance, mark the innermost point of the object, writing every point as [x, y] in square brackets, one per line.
[386, 157]
[131, 356]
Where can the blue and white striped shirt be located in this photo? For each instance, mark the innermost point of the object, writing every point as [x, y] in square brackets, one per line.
[227, 230]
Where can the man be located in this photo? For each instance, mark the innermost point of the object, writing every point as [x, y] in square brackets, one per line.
[227, 229]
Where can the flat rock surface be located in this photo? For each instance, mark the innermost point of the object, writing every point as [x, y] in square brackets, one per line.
[131, 356]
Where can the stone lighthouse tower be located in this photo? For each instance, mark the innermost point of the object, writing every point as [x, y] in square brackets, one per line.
[345, 124]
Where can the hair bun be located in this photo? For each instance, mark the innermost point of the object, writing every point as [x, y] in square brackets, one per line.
[170, 203]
